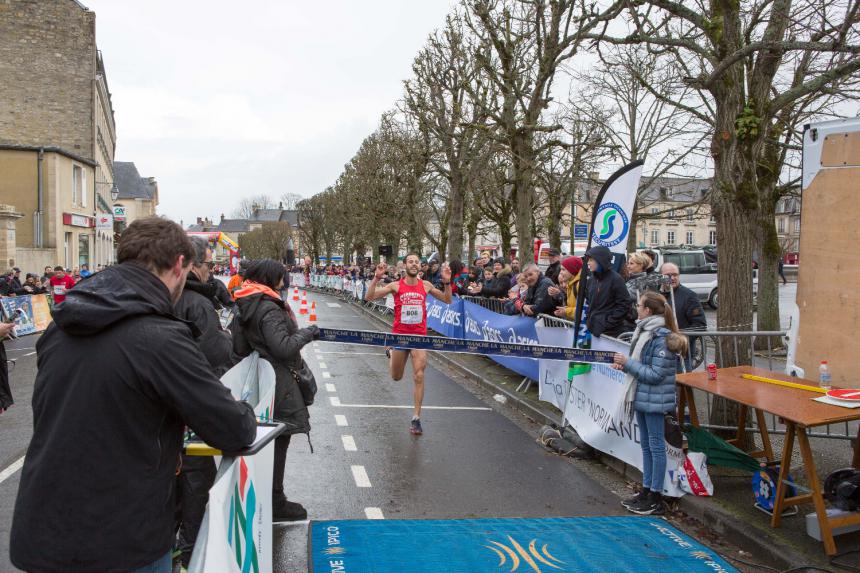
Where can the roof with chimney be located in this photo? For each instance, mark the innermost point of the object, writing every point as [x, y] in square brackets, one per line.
[244, 225]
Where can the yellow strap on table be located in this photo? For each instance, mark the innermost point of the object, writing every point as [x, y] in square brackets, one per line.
[195, 449]
[784, 383]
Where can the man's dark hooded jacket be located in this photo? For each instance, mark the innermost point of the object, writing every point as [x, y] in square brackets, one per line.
[609, 302]
[196, 305]
[268, 326]
[119, 378]
[538, 296]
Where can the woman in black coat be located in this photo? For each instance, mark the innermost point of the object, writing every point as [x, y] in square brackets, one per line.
[268, 325]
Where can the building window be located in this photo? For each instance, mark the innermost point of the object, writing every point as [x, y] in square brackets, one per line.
[655, 237]
[671, 213]
[797, 225]
[77, 184]
[780, 225]
[83, 249]
[690, 237]
[654, 210]
[670, 237]
[690, 215]
[712, 238]
[67, 251]
[713, 220]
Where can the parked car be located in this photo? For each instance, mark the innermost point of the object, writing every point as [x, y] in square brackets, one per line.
[698, 269]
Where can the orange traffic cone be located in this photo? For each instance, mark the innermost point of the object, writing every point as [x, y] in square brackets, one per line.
[313, 316]
[304, 307]
[296, 294]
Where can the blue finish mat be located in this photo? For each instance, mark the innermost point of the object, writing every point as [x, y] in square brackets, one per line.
[543, 545]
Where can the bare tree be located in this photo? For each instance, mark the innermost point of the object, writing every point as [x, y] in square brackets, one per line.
[520, 48]
[734, 55]
[249, 205]
[630, 91]
[438, 100]
[289, 201]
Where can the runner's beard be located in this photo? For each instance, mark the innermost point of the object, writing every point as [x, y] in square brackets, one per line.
[412, 272]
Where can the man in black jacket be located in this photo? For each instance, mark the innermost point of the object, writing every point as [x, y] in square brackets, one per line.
[554, 268]
[688, 309]
[197, 474]
[537, 299]
[609, 302]
[120, 376]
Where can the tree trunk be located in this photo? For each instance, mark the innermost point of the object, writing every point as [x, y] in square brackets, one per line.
[454, 240]
[768, 280]
[473, 240]
[523, 162]
[553, 226]
[632, 238]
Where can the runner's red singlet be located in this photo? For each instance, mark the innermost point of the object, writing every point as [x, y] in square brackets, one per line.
[410, 309]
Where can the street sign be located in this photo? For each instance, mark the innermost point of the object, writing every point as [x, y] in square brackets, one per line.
[580, 231]
[119, 213]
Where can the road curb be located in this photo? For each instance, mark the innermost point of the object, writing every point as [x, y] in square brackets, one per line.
[762, 542]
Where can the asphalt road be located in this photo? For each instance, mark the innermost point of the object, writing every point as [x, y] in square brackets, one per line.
[475, 459]
[469, 463]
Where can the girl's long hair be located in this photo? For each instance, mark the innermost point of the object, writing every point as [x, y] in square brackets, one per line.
[657, 304]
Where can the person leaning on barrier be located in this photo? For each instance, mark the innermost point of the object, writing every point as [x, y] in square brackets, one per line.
[554, 268]
[500, 283]
[119, 379]
[571, 272]
[536, 299]
[197, 473]
[608, 300]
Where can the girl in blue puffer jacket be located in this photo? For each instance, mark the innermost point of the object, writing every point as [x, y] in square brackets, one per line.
[650, 392]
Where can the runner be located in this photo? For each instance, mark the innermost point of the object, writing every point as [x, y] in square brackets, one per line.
[410, 317]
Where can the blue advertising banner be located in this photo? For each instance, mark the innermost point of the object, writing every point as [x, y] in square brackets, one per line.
[483, 324]
[446, 319]
[19, 309]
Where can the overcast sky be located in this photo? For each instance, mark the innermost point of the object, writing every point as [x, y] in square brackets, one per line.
[222, 100]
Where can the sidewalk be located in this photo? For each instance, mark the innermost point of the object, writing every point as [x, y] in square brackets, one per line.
[730, 513]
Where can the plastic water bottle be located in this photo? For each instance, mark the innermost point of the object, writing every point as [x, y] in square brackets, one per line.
[824, 376]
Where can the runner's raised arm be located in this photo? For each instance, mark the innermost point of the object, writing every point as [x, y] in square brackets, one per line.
[374, 293]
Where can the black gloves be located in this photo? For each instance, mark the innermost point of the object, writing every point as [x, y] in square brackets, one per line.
[315, 331]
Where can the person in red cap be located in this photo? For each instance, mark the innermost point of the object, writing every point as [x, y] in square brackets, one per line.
[568, 279]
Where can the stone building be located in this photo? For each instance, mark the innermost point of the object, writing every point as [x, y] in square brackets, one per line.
[57, 134]
[137, 197]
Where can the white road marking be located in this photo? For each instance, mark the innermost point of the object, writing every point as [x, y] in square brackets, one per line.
[323, 366]
[290, 523]
[391, 406]
[335, 401]
[373, 513]
[30, 354]
[359, 474]
[326, 374]
[13, 467]
[348, 443]
[333, 305]
[330, 388]
[340, 420]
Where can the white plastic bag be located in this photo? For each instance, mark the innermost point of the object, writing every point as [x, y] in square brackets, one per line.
[695, 479]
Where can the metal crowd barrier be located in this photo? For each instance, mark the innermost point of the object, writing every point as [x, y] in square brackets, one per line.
[724, 348]
[497, 305]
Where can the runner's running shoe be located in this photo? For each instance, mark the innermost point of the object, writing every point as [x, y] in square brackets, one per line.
[415, 428]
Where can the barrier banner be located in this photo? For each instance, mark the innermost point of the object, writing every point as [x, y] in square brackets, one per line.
[20, 309]
[253, 381]
[236, 533]
[442, 344]
[592, 409]
[41, 311]
[483, 324]
[553, 385]
[446, 319]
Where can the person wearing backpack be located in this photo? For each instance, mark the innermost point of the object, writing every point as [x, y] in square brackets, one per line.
[650, 393]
